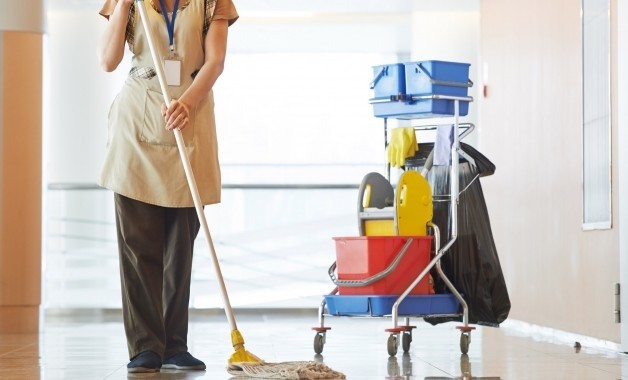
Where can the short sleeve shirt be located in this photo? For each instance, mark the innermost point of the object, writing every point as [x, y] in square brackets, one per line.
[214, 10]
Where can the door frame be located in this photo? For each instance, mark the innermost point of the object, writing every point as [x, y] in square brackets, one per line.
[622, 135]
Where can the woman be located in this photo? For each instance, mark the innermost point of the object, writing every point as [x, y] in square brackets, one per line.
[155, 217]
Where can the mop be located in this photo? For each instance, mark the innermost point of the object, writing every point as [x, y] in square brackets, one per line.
[241, 363]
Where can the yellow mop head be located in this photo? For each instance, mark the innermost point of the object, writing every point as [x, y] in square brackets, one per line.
[286, 370]
[243, 364]
[241, 355]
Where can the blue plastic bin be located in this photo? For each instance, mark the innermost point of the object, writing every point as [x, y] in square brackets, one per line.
[389, 80]
[437, 77]
[416, 305]
[394, 99]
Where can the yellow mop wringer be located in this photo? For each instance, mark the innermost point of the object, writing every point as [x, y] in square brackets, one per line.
[241, 362]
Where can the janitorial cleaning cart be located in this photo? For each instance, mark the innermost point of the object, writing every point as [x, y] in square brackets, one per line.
[393, 268]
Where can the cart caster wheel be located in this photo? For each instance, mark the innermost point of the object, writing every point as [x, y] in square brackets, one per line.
[406, 339]
[464, 343]
[392, 345]
[319, 342]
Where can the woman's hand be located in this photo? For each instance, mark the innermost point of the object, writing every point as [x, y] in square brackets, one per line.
[177, 115]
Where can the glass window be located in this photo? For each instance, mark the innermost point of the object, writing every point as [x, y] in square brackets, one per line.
[596, 129]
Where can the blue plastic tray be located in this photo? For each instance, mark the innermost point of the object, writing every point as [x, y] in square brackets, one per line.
[417, 109]
[382, 305]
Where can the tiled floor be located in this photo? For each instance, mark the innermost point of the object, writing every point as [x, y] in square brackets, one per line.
[92, 346]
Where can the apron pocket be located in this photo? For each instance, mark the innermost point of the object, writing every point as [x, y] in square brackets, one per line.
[154, 129]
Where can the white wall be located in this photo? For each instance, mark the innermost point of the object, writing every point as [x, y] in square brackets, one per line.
[558, 275]
[78, 97]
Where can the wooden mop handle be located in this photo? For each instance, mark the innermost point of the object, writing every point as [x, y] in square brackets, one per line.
[186, 164]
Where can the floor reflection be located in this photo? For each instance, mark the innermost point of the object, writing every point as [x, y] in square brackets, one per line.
[168, 374]
[397, 371]
[465, 372]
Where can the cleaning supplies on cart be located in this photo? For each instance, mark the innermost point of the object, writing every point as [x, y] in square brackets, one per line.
[472, 265]
[384, 212]
[376, 199]
[442, 144]
[402, 144]
[413, 203]
[393, 246]
[425, 81]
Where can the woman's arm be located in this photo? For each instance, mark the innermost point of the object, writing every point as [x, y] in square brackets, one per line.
[111, 46]
[177, 114]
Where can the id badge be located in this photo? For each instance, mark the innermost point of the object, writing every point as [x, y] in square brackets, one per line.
[172, 69]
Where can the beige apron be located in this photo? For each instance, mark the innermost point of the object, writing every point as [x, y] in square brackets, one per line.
[142, 160]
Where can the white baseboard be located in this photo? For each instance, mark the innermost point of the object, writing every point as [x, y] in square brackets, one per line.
[551, 335]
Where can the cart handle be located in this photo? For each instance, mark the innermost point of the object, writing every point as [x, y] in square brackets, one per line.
[412, 98]
[373, 278]
[382, 72]
[468, 128]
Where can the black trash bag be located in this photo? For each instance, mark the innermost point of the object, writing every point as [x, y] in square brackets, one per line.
[483, 165]
[471, 263]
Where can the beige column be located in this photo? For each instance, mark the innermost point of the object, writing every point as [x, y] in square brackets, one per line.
[20, 181]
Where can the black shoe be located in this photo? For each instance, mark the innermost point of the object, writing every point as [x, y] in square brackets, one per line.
[147, 361]
[183, 360]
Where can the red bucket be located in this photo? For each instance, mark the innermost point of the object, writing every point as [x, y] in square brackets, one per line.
[358, 258]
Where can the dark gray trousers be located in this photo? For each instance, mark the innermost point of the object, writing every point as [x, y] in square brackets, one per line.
[155, 245]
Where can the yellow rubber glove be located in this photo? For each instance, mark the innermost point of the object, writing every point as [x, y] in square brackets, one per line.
[402, 145]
